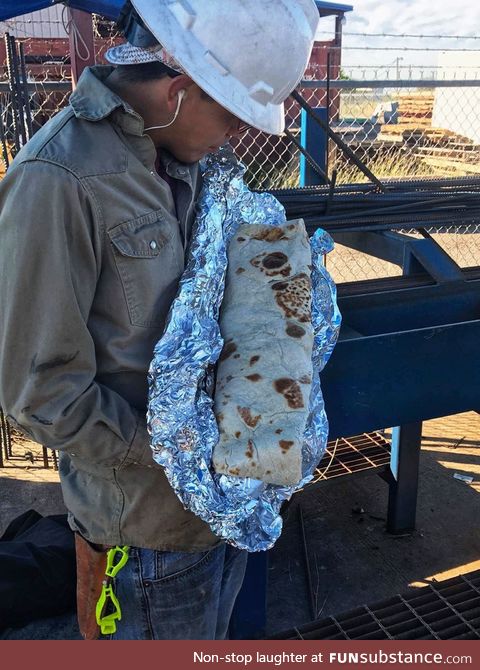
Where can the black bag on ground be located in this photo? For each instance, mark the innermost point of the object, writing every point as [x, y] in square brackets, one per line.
[37, 569]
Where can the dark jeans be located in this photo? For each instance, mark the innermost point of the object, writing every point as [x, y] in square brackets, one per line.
[178, 596]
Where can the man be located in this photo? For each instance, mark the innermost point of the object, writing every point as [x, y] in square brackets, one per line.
[96, 216]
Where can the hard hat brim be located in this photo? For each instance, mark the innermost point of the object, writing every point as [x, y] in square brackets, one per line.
[127, 54]
[195, 62]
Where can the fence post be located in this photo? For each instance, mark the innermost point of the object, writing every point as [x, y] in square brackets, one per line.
[82, 45]
[314, 140]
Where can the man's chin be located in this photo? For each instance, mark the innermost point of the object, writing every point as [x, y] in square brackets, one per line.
[190, 157]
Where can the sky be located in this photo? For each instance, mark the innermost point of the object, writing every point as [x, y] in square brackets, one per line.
[412, 17]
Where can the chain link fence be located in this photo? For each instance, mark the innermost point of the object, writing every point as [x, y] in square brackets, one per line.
[43, 37]
[398, 129]
[421, 124]
[105, 35]
[407, 129]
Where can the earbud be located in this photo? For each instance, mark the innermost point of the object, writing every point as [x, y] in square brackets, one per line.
[180, 96]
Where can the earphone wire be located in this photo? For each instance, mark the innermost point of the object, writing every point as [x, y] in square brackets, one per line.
[179, 102]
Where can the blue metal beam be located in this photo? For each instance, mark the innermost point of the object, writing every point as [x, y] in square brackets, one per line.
[404, 356]
[387, 245]
[402, 250]
[332, 8]
[314, 140]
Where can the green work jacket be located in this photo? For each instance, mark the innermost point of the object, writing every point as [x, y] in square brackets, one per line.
[92, 247]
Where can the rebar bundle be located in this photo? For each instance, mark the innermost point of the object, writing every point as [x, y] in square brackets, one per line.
[433, 204]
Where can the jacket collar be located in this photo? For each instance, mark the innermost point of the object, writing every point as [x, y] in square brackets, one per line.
[93, 100]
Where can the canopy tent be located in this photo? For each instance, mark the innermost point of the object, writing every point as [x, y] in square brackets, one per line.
[108, 8]
[111, 8]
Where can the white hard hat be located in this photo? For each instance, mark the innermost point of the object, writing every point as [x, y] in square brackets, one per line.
[248, 55]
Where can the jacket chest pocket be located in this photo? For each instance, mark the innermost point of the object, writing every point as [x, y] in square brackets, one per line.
[148, 255]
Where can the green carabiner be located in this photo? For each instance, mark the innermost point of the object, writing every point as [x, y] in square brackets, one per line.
[115, 563]
[116, 559]
[107, 623]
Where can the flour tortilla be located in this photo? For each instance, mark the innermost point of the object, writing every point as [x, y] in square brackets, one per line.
[264, 374]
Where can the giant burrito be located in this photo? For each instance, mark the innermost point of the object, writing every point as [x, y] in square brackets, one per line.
[264, 373]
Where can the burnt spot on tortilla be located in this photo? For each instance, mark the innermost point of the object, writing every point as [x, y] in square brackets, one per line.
[278, 431]
[247, 418]
[274, 260]
[249, 452]
[240, 239]
[220, 417]
[254, 378]
[285, 445]
[228, 349]
[236, 355]
[239, 271]
[268, 472]
[291, 226]
[238, 434]
[273, 264]
[234, 471]
[269, 234]
[253, 464]
[228, 378]
[305, 379]
[280, 286]
[254, 360]
[294, 330]
[291, 391]
[293, 297]
[283, 384]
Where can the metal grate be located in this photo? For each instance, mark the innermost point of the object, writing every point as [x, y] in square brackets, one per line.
[349, 455]
[448, 610]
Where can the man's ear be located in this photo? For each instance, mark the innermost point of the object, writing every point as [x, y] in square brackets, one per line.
[177, 84]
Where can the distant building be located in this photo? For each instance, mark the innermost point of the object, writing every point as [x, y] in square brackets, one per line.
[456, 109]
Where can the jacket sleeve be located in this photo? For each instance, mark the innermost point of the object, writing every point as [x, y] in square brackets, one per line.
[50, 255]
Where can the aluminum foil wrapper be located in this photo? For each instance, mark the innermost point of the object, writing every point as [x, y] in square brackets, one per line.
[243, 511]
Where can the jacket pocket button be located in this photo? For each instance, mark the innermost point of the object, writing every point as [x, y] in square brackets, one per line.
[153, 244]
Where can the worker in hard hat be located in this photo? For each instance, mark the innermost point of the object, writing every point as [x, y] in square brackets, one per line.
[96, 218]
